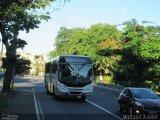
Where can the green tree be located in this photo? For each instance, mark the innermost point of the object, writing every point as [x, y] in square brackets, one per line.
[140, 53]
[38, 64]
[104, 38]
[22, 66]
[16, 16]
[67, 41]
[89, 42]
[129, 55]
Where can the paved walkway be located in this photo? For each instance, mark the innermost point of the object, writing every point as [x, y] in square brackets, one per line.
[20, 106]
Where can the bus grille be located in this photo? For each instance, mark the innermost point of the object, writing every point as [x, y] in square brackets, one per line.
[75, 93]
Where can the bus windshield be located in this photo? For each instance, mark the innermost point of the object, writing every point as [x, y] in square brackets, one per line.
[75, 73]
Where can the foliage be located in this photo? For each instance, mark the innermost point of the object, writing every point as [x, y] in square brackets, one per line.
[38, 64]
[141, 56]
[92, 42]
[16, 16]
[22, 65]
[131, 55]
[105, 80]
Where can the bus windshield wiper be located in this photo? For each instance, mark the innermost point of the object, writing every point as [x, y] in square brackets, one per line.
[70, 66]
[79, 70]
[81, 67]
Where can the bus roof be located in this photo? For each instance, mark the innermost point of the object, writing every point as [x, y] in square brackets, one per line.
[58, 57]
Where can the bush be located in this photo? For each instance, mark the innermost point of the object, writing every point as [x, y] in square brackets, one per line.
[105, 80]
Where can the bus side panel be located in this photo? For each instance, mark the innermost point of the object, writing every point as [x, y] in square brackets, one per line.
[53, 80]
[54, 77]
[48, 81]
[47, 76]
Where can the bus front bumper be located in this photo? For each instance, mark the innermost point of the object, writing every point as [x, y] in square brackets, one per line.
[75, 91]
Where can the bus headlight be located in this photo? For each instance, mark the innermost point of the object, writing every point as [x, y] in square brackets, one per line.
[88, 88]
[62, 87]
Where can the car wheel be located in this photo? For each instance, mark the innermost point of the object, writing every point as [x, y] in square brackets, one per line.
[120, 108]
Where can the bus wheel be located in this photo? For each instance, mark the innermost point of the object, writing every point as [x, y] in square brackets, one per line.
[53, 90]
[83, 97]
[47, 90]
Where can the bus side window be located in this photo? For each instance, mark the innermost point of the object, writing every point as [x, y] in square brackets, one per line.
[46, 68]
[54, 67]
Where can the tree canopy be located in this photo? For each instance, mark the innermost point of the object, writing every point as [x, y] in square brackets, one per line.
[16, 16]
[131, 54]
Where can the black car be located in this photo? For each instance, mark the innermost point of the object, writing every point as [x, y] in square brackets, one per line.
[139, 101]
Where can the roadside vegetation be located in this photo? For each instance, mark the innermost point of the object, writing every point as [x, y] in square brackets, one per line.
[129, 56]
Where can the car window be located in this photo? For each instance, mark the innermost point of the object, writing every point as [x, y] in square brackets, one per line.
[126, 92]
[144, 94]
[137, 94]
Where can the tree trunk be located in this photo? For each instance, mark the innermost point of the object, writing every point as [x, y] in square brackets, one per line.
[8, 77]
[10, 64]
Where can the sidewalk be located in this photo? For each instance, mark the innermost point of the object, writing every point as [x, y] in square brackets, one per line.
[20, 106]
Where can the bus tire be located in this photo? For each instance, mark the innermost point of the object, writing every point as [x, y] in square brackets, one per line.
[48, 92]
[83, 97]
[55, 94]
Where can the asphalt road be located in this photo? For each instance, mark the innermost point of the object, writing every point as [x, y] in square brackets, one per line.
[102, 105]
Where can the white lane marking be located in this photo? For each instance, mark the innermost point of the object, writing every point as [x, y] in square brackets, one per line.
[38, 108]
[109, 88]
[104, 110]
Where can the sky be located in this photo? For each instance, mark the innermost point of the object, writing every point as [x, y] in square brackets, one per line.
[84, 13]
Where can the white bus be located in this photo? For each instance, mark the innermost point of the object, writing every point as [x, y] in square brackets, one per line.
[69, 75]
